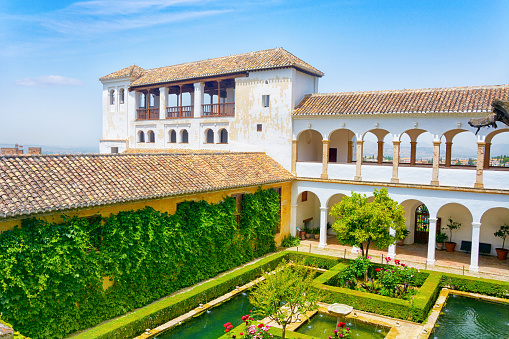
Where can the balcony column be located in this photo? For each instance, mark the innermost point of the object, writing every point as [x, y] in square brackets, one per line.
[323, 227]
[230, 95]
[413, 152]
[380, 156]
[295, 154]
[325, 159]
[436, 162]
[163, 99]
[358, 165]
[432, 237]
[474, 252]
[487, 155]
[395, 161]
[350, 152]
[392, 248]
[448, 153]
[198, 99]
[480, 165]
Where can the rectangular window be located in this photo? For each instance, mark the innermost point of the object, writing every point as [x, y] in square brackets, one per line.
[238, 200]
[114, 150]
[259, 127]
[266, 100]
[304, 196]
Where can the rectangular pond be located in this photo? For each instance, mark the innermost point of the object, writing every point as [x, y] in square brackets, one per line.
[209, 324]
[465, 317]
[322, 325]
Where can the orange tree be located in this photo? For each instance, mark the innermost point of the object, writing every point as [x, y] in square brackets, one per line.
[361, 223]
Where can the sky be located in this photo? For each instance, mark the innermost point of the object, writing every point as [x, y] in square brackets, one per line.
[53, 52]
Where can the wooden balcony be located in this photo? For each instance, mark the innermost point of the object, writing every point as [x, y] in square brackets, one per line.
[179, 112]
[218, 110]
[147, 113]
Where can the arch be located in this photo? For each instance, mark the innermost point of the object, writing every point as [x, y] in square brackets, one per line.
[414, 147]
[141, 136]
[491, 220]
[341, 146]
[333, 200]
[308, 210]
[209, 136]
[460, 148]
[458, 213]
[410, 206]
[121, 95]
[184, 136]
[373, 149]
[223, 136]
[112, 97]
[495, 154]
[173, 136]
[151, 136]
[310, 146]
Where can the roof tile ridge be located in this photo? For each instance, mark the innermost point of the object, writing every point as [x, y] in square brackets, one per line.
[429, 89]
[217, 58]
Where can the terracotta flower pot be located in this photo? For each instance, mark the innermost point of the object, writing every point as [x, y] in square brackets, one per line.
[450, 246]
[501, 253]
[302, 235]
[309, 235]
[440, 246]
[400, 242]
[317, 236]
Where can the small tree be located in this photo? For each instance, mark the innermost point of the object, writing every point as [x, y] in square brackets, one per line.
[503, 232]
[360, 222]
[452, 225]
[285, 294]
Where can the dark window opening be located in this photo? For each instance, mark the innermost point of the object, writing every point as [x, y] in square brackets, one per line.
[151, 136]
[114, 150]
[173, 136]
[266, 100]
[259, 127]
[304, 196]
[223, 136]
[210, 136]
[185, 137]
[141, 136]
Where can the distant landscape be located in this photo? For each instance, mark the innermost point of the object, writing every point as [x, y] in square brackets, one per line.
[58, 149]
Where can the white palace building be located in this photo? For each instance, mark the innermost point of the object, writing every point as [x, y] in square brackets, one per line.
[268, 101]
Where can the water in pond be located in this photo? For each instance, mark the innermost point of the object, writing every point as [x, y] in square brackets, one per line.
[465, 317]
[322, 325]
[209, 325]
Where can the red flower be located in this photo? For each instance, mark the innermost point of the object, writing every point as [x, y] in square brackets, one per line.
[260, 325]
[340, 324]
[388, 258]
[230, 327]
[396, 262]
[378, 269]
[226, 330]
[403, 265]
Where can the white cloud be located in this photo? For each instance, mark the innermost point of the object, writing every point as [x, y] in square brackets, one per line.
[49, 80]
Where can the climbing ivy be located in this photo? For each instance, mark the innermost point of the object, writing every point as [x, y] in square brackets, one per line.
[51, 274]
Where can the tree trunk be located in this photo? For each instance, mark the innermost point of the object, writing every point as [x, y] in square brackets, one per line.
[367, 249]
[284, 331]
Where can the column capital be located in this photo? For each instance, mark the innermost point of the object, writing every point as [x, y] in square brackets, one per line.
[411, 142]
[432, 220]
[476, 224]
[295, 141]
[448, 143]
[481, 143]
[436, 142]
[323, 208]
[359, 142]
[294, 205]
[396, 142]
[325, 141]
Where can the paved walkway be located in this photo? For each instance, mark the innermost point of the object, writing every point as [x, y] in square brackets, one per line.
[451, 262]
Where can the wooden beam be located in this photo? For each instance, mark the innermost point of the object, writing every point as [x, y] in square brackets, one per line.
[188, 82]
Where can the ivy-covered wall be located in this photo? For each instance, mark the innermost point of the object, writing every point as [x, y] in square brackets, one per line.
[51, 281]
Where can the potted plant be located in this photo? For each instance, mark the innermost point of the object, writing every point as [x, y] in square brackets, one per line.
[302, 234]
[316, 232]
[452, 225]
[503, 232]
[404, 234]
[309, 232]
[441, 238]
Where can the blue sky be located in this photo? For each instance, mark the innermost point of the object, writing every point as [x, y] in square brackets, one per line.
[53, 52]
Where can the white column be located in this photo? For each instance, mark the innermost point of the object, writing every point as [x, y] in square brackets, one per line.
[163, 99]
[436, 162]
[358, 175]
[323, 227]
[198, 99]
[432, 237]
[230, 94]
[293, 220]
[474, 253]
[392, 248]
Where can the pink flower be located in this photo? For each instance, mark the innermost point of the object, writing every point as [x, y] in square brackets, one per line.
[388, 259]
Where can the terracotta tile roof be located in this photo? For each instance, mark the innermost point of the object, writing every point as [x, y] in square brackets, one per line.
[266, 59]
[132, 71]
[43, 183]
[171, 151]
[428, 100]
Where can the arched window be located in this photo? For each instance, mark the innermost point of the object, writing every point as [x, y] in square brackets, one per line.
[421, 224]
[112, 97]
[210, 136]
[173, 136]
[223, 136]
[121, 95]
[151, 136]
[141, 136]
[185, 136]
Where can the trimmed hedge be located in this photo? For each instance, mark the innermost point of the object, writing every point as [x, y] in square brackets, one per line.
[494, 288]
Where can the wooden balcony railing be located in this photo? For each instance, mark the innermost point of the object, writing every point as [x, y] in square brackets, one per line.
[219, 110]
[179, 112]
[147, 113]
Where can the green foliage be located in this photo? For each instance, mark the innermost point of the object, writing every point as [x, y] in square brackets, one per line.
[494, 288]
[503, 232]
[51, 283]
[452, 225]
[355, 272]
[290, 286]
[441, 237]
[360, 222]
[290, 241]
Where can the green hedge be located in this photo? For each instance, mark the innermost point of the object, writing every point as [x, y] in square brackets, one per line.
[51, 280]
[495, 288]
